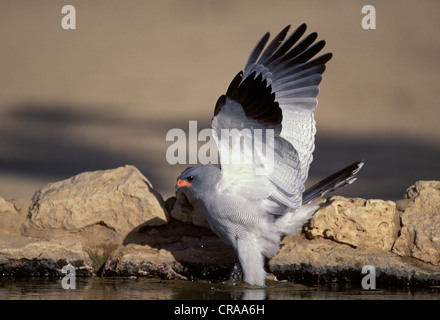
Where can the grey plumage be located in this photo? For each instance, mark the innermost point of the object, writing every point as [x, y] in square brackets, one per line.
[275, 94]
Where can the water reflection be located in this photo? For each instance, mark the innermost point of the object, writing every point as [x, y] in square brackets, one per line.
[99, 288]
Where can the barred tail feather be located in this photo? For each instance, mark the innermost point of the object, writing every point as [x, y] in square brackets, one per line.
[336, 180]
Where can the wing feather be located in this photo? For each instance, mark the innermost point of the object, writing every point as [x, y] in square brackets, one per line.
[294, 72]
[274, 45]
[257, 50]
[286, 45]
[276, 91]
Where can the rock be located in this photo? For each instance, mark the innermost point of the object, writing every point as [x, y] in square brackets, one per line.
[96, 209]
[371, 224]
[102, 205]
[26, 256]
[10, 219]
[143, 260]
[23, 256]
[6, 207]
[348, 234]
[188, 209]
[113, 223]
[322, 260]
[177, 250]
[420, 233]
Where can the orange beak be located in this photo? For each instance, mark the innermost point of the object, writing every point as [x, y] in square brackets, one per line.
[183, 183]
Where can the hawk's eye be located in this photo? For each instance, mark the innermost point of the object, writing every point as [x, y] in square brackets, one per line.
[190, 178]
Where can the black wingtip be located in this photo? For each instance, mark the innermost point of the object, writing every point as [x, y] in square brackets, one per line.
[253, 57]
[285, 29]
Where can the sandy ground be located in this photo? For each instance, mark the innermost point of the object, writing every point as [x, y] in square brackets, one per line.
[106, 94]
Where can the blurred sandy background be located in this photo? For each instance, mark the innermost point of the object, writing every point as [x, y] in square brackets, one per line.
[106, 94]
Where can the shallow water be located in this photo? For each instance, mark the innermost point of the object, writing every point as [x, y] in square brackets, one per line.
[99, 288]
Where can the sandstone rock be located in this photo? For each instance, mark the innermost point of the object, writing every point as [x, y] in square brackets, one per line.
[119, 200]
[322, 260]
[6, 206]
[188, 209]
[34, 257]
[177, 250]
[25, 256]
[114, 222]
[98, 209]
[138, 260]
[10, 219]
[420, 233]
[371, 224]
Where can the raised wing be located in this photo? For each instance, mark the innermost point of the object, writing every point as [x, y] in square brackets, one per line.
[276, 95]
[288, 66]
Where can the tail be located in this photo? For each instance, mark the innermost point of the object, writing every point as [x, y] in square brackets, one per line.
[332, 182]
[295, 219]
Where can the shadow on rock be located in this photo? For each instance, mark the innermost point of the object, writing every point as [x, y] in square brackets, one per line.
[177, 250]
[185, 248]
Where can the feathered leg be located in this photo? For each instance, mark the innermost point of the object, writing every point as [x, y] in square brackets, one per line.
[251, 261]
